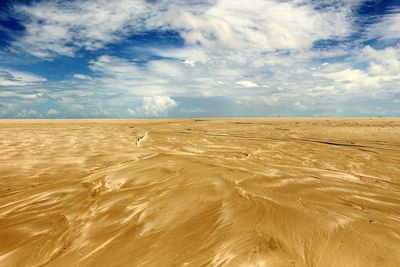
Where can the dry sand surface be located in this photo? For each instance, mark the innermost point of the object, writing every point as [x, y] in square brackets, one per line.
[214, 192]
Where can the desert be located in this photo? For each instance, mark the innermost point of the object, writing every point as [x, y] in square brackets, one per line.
[200, 192]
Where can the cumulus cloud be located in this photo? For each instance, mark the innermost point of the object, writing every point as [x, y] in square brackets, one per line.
[384, 62]
[157, 105]
[247, 84]
[347, 75]
[353, 79]
[275, 46]
[383, 70]
[52, 112]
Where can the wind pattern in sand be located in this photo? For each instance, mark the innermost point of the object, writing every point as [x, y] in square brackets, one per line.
[259, 192]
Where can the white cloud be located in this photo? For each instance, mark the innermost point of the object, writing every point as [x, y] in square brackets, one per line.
[52, 112]
[189, 55]
[81, 77]
[121, 75]
[352, 79]
[270, 100]
[131, 111]
[193, 110]
[114, 66]
[78, 107]
[157, 105]
[385, 62]
[299, 105]
[55, 28]
[264, 25]
[165, 67]
[22, 95]
[387, 28]
[383, 70]
[155, 77]
[27, 113]
[267, 41]
[247, 84]
[11, 78]
[347, 75]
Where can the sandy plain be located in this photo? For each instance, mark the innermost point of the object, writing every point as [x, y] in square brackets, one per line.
[200, 192]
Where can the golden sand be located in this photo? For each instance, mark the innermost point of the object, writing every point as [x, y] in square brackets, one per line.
[214, 192]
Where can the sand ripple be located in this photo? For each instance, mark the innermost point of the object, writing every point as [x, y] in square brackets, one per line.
[276, 192]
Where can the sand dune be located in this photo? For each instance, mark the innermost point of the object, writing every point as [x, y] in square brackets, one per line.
[237, 192]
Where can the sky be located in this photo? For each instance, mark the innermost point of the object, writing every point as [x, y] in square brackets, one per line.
[199, 58]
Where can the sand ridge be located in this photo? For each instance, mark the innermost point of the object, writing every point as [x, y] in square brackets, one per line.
[200, 192]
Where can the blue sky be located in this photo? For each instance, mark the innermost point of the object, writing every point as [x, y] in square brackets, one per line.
[199, 58]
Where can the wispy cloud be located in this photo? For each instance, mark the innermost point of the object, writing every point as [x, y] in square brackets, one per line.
[387, 27]
[261, 57]
[12, 78]
[59, 28]
[62, 28]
